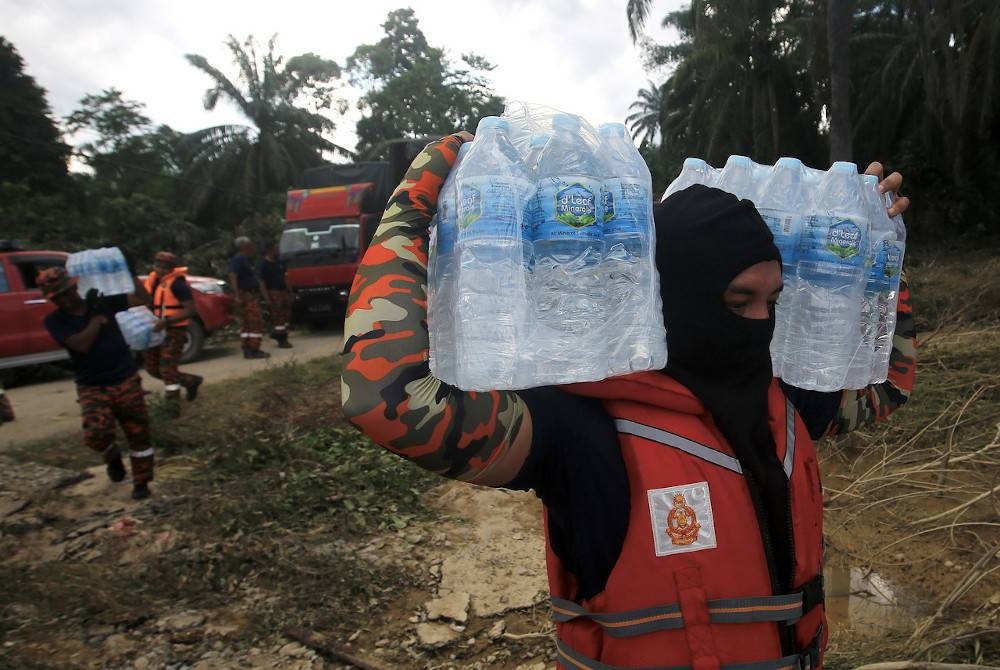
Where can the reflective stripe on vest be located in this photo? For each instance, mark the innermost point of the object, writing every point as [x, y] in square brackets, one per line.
[707, 453]
[763, 609]
[808, 659]
[671, 440]
[789, 438]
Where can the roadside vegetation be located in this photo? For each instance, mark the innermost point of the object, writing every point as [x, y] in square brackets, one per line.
[271, 514]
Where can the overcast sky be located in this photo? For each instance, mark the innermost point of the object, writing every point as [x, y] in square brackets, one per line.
[575, 55]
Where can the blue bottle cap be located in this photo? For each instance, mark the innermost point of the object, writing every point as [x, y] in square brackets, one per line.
[566, 122]
[789, 163]
[694, 164]
[738, 161]
[612, 130]
[844, 167]
[870, 180]
[538, 140]
[491, 123]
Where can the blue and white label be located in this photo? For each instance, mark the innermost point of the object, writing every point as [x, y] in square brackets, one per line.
[569, 209]
[471, 205]
[492, 206]
[631, 212]
[843, 239]
[786, 228]
[832, 239]
[607, 202]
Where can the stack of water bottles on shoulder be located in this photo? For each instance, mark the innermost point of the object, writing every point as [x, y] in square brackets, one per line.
[106, 271]
[541, 268]
[842, 256]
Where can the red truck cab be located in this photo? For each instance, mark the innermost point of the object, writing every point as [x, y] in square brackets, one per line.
[329, 220]
[322, 243]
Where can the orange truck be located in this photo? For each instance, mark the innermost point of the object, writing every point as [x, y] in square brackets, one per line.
[329, 220]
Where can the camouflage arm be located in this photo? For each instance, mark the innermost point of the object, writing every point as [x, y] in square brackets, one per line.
[388, 390]
[878, 401]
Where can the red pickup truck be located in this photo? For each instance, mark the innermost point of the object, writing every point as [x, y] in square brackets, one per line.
[23, 338]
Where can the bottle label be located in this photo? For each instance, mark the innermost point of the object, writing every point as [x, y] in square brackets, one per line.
[492, 206]
[607, 202]
[832, 239]
[785, 226]
[630, 207]
[568, 209]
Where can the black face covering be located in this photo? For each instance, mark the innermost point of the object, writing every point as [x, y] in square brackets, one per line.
[704, 239]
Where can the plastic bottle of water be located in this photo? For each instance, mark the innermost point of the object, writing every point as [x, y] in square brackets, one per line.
[536, 143]
[823, 332]
[568, 286]
[494, 187]
[441, 273]
[890, 257]
[882, 231]
[626, 203]
[695, 171]
[780, 204]
[737, 177]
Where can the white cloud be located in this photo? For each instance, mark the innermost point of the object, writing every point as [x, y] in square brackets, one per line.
[575, 55]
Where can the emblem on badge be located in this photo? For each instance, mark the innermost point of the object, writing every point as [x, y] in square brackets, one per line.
[682, 522]
[682, 519]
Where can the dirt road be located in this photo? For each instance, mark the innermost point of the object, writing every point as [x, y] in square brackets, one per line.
[49, 409]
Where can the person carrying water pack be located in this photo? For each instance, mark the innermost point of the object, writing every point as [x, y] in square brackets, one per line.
[683, 506]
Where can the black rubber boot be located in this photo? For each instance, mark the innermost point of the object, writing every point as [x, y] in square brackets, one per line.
[140, 491]
[192, 391]
[116, 470]
[283, 342]
[255, 353]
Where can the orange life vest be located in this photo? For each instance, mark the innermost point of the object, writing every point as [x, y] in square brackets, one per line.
[692, 586]
[165, 303]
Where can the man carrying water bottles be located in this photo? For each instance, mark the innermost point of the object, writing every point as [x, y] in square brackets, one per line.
[107, 379]
[173, 306]
[243, 279]
[684, 510]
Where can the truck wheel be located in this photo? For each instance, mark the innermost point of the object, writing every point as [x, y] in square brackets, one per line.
[195, 342]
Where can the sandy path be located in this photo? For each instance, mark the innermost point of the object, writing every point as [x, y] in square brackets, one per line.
[49, 409]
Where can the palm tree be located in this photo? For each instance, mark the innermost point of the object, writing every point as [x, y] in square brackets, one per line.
[234, 167]
[646, 117]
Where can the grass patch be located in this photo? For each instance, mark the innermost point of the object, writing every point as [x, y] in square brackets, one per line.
[271, 493]
[910, 497]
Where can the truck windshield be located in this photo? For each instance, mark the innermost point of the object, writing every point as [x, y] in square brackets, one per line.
[339, 236]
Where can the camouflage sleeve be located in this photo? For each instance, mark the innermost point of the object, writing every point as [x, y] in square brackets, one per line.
[387, 387]
[878, 401]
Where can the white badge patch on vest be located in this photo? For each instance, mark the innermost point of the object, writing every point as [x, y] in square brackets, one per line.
[682, 519]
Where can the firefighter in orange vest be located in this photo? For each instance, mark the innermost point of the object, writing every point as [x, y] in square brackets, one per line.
[173, 305]
[683, 506]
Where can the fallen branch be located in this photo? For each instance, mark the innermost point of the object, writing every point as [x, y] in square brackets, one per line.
[318, 643]
[958, 508]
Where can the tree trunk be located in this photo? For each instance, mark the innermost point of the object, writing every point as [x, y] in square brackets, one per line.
[838, 41]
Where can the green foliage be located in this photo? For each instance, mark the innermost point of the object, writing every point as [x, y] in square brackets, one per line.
[753, 78]
[233, 168]
[413, 90]
[31, 146]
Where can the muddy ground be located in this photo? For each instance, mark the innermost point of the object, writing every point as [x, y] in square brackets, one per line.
[274, 524]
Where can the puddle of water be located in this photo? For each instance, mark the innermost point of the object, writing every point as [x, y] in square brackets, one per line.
[864, 601]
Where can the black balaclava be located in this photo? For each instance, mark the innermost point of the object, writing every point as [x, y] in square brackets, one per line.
[704, 239]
